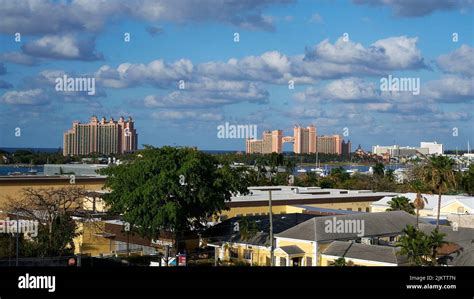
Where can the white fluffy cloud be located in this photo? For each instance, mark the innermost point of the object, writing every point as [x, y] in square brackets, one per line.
[24, 97]
[392, 53]
[62, 47]
[210, 93]
[156, 73]
[460, 61]
[52, 17]
[348, 89]
[190, 115]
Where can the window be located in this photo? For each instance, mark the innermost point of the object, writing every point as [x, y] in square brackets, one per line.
[359, 209]
[367, 209]
[248, 254]
[349, 209]
[234, 253]
[309, 261]
[282, 261]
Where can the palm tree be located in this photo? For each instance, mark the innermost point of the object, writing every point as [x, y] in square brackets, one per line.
[261, 167]
[415, 246]
[341, 262]
[247, 228]
[420, 200]
[440, 176]
[401, 203]
[436, 241]
[379, 169]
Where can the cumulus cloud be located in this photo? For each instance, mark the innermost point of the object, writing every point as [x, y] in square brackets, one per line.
[404, 8]
[326, 61]
[210, 93]
[460, 61]
[19, 58]
[24, 97]
[188, 115]
[156, 73]
[52, 17]
[62, 47]
[348, 89]
[450, 88]
[386, 54]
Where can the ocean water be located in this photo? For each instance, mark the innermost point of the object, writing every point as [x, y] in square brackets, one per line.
[33, 149]
[4, 170]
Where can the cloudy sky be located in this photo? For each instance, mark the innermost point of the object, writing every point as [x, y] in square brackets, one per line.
[334, 54]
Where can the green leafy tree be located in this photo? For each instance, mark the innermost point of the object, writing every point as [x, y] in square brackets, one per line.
[379, 170]
[419, 248]
[339, 175]
[247, 228]
[309, 179]
[341, 262]
[401, 203]
[415, 246]
[436, 240]
[171, 189]
[439, 175]
[467, 180]
[390, 175]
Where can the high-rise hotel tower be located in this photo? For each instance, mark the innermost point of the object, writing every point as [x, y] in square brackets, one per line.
[103, 137]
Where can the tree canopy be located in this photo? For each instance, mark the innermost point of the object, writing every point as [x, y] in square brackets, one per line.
[171, 189]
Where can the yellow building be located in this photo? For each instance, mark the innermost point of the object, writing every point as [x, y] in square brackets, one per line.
[450, 204]
[12, 186]
[359, 254]
[246, 239]
[293, 199]
[314, 236]
[300, 239]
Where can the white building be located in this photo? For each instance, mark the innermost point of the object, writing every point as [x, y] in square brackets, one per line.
[434, 148]
[398, 151]
[450, 205]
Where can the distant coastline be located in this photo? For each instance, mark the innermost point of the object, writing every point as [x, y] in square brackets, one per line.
[33, 149]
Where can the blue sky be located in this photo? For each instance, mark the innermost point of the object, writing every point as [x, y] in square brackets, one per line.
[337, 80]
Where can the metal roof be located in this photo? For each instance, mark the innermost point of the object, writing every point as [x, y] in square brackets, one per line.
[375, 224]
[377, 253]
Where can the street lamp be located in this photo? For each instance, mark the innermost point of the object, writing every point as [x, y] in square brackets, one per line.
[269, 189]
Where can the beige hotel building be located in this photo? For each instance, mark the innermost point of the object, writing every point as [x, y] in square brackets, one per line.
[305, 141]
[103, 137]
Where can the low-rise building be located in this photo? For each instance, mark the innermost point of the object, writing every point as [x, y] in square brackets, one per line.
[315, 235]
[450, 205]
[247, 239]
[359, 254]
[289, 199]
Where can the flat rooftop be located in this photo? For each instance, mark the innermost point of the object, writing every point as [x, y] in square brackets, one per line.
[304, 195]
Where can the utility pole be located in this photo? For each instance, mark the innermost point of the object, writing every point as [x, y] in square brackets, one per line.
[17, 237]
[271, 226]
[270, 215]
